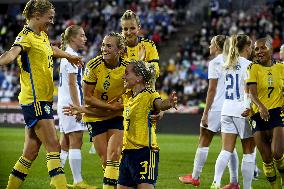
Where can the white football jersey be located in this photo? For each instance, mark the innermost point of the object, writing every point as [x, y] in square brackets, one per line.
[215, 71]
[235, 88]
[66, 68]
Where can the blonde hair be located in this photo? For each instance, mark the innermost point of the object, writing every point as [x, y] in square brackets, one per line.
[219, 41]
[36, 6]
[69, 32]
[226, 47]
[128, 15]
[146, 70]
[120, 40]
[237, 45]
[267, 40]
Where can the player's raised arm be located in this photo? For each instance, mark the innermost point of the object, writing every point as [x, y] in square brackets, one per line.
[8, 56]
[74, 60]
[171, 102]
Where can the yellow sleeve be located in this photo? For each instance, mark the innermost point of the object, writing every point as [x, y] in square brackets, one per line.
[153, 97]
[152, 56]
[90, 73]
[23, 41]
[251, 74]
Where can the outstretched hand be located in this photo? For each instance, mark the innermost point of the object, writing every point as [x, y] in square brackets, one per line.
[142, 52]
[246, 112]
[76, 60]
[72, 110]
[173, 99]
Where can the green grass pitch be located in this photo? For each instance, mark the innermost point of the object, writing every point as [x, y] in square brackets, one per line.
[176, 158]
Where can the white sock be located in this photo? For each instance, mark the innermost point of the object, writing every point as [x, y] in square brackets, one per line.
[234, 167]
[220, 166]
[247, 170]
[254, 156]
[63, 157]
[199, 161]
[75, 161]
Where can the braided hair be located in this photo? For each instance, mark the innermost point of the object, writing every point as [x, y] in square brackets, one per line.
[147, 71]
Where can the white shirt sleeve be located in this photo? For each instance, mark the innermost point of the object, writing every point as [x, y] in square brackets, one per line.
[69, 67]
[212, 71]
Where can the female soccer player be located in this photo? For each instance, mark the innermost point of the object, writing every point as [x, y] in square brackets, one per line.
[102, 87]
[232, 122]
[210, 121]
[35, 56]
[70, 91]
[265, 82]
[140, 159]
[138, 48]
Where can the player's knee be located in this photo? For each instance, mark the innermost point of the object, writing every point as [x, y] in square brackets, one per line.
[77, 144]
[52, 146]
[114, 155]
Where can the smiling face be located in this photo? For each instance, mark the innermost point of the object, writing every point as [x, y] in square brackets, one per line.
[130, 30]
[262, 52]
[130, 78]
[110, 50]
[45, 20]
[80, 39]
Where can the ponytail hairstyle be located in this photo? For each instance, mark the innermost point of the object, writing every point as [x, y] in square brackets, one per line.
[219, 41]
[146, 70]
[237, 45]
[128, 15]
[69, 32]
[36, 6]
[120, 42]
[226, 47]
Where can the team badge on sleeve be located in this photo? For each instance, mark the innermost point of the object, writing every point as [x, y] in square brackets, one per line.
[87, 72]
[18, 39]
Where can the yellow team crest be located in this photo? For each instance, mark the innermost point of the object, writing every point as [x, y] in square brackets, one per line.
[47, 109]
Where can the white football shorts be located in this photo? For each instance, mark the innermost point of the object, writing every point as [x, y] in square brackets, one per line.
[214, 123]
[236, 125]
[68, 124]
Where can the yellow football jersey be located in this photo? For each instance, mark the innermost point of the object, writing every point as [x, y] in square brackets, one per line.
[151, 56]
[36, 66]
[137, 131]
[109, 82]
[269, 82]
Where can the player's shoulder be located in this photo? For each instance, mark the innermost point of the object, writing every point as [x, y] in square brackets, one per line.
[24, 34]
[71, 51]
[278, 63]
[244, 62]
[124, 61]
[253, 65]
[26, 31]
[219, 59]
[149, 90]
[146, 41]
[95, 62]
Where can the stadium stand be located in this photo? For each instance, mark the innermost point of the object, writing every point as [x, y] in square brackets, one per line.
[184, 70]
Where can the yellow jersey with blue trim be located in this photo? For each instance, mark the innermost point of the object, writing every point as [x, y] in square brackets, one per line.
[269, 82]
[36, 67]
[151, 55]
[109, 83]
[139, 132]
